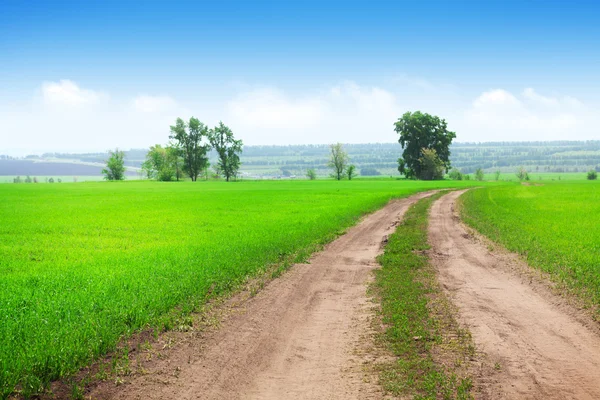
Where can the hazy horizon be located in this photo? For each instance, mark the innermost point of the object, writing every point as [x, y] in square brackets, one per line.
[86, 77]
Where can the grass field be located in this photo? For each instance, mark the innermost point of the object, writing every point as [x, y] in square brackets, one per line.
[555, 226]
[84, 265]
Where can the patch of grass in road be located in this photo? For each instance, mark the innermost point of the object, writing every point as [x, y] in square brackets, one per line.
[429, 346]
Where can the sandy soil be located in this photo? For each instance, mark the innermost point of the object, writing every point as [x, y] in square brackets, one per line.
[534, 344]
[298, 338]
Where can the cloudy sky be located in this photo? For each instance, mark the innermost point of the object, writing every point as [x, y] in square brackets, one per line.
[88, 76]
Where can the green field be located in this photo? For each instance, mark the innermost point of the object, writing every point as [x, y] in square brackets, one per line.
[84, 265]
[554, 225]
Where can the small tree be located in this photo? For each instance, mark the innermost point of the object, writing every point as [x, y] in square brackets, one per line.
[455, 175]
[159, 164]
[479, 175]
[522, 174]
[338, 159]
[592, 175]
[497, 175]
[190, 141]
[351, 172]
[17, 179]
[51, 180]
[311, 174]
[115, 166]
[228, 149]
[431, 167]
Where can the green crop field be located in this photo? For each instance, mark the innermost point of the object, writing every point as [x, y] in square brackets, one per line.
[554, 225]
[84, 265]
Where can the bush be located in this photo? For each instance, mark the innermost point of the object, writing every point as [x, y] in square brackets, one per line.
[479, 174]
[522, 174]
[311, 174]
[592, 175]
[455, 175]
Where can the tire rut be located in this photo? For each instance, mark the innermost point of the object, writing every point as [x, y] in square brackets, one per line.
[536, 347]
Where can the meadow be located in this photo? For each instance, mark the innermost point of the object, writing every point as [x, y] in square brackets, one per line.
[554, 225]
[85, 265]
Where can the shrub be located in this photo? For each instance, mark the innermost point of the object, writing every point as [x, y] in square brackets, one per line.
[592, 175]
[311, 174]
[455, 175]
[479, 174]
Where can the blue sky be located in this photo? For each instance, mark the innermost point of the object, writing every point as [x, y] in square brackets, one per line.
[295, 72]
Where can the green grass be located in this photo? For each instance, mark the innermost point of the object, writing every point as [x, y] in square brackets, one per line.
[554, 226]
[421, 330]
[84, 265]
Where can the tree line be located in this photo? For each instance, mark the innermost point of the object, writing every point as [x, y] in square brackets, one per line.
[185, 154]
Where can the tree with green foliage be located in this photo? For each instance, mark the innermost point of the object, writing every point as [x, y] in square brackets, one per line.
[159, 164]
[418, 132]
[592, 175]
[431, 167]
[338, 159]
[455, 175]
[191, 143]
[350, 172]
[115, 166]
[497, 175]
[311, 174]
[522, 174]
[228, 150]
[479, 175]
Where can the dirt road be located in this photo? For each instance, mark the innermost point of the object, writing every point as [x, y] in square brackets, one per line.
[297, 339]
[537, 347]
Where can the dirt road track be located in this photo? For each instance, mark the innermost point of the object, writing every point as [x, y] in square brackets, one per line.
[539, 347]
[297, 339]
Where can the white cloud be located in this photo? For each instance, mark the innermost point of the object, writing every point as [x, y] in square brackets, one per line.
[68, 93]
[154, 104]
[346, 112]
[501, 116]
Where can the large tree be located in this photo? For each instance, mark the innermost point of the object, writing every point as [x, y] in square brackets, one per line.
[418, 132]
[190, 139]
[338, 160]
[115, 166]
[228, 149]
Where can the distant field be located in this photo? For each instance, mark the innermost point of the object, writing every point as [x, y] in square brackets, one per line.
[555, 226]
[63, 178]
[83, 264]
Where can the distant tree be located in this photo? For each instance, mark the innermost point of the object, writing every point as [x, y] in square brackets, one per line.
[159, 164]
[191, 139]
[350, 172]
[592, 175]
[311, 174]
[497, 175]
[17, 180]
[455, 175]
[75, 179]
[522, 174]
[115, 166]
[59, 180]
[479, 175]
[175, 157]
[419, 132]
[28, 179]
[51, 180]
[338, 159]
[430, 165]
[228, 150]
[35, 179]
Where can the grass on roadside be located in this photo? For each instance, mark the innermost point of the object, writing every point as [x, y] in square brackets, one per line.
[429, 346]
